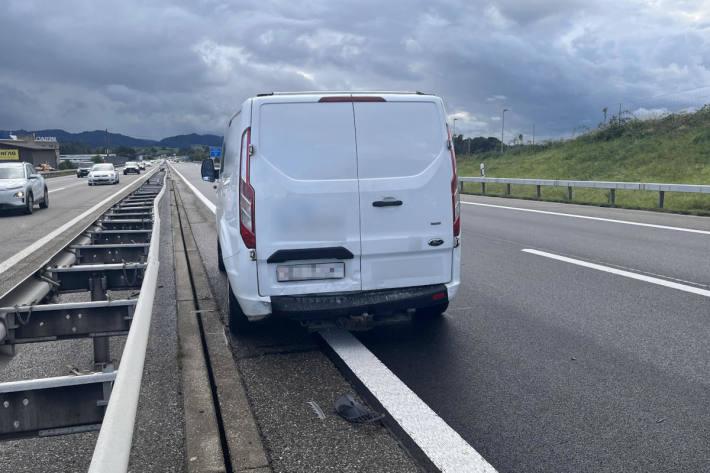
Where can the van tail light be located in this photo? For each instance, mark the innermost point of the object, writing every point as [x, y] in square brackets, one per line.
[455, 195]
[247, 226]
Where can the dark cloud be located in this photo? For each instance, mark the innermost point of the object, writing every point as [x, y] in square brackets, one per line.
[157, 68]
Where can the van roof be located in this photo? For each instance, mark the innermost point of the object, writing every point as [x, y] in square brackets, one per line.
[340, 92]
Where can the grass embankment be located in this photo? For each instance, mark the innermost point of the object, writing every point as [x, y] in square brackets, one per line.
[673, 149]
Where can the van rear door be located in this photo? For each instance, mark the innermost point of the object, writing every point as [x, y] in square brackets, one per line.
[304, 174]
[405, 174]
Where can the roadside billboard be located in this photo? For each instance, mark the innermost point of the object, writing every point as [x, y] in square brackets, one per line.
[9, 155]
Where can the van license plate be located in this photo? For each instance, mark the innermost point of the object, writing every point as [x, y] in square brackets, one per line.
[305, 272]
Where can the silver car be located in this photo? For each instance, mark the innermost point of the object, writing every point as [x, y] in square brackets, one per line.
[103, 173]
[21, 187]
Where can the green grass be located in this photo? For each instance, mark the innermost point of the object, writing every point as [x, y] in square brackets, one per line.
[673, 149]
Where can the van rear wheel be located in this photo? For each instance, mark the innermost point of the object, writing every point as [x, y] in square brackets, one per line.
[238, 322]
[433, 311]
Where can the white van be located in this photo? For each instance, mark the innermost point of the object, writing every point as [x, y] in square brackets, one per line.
[337, 206]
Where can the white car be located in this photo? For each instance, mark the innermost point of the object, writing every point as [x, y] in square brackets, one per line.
[337, 206]
[131, 166]
[21, 186]
[103, 173]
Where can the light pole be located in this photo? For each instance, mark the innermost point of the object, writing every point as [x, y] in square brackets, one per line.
[502, 129]
[455, 126]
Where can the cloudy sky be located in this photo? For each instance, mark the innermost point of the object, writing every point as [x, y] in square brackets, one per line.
[154, 68]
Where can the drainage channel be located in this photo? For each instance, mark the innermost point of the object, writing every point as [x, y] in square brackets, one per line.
[103, 272]
[198, 315]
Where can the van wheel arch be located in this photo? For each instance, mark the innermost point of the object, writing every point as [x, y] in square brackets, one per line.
[220, 261]
[238, 322]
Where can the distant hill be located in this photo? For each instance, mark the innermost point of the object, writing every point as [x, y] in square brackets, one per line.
[192, 139]
[98, 138]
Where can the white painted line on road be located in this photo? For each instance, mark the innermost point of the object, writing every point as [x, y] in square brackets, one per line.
[200, 195]
[621, 272]
[439, 442]
[610, 220]
[68, 187]
[10, 262]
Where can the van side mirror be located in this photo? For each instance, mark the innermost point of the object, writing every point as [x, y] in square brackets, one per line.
[209, 173]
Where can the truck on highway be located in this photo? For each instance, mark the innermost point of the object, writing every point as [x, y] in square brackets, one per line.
[337, 207]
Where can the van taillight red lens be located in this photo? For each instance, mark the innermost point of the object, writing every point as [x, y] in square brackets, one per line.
[247, 226]
[455, 196]
[438, 295]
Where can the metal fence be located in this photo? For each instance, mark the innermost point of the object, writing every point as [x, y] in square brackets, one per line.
[612, 186]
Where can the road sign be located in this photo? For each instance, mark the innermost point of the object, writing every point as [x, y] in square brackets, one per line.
[215, 151]
[9, 155]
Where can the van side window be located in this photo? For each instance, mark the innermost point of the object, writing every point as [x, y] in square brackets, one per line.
[228, 161]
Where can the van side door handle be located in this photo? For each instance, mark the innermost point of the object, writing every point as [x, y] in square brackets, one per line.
[386, 203]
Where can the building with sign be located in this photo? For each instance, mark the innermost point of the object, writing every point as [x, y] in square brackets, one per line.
[36, 151]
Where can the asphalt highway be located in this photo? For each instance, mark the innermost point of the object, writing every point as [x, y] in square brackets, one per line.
[575, 344]
[69, 197]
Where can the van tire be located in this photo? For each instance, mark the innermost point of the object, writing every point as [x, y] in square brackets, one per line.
[220, 261]
[432, 311]
[238, 322]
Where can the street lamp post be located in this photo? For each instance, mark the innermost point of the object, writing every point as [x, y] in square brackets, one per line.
[502, 129]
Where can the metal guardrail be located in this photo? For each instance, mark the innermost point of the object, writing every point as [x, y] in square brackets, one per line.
[118, 252]
[63, 172]
[612, 186]
[113, 447]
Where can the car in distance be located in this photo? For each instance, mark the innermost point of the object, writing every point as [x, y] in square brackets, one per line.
[21, 187]
[103, 173]
[141, 165]
[131, 166]
[83, 169]
[322, 224]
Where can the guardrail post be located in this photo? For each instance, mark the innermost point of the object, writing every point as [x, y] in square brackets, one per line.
[612, 196]
[661, 195]
[102, 355]
[461, 187]
[507, 189]
[569, 192]
[483, 187]
[538, 191]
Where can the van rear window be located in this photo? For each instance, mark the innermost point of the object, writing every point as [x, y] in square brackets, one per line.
[309, 141]
[397, 138]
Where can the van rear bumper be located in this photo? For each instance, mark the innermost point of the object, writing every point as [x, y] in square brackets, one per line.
[334, 305]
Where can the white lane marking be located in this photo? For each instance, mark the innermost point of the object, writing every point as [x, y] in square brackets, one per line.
[621, 272]
[200, 195]
[67, 187]
[10, 262]
[439, 442]
[586, 217]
